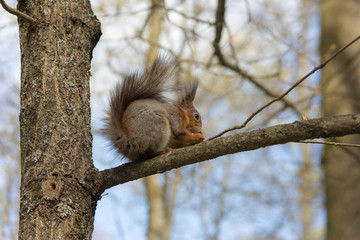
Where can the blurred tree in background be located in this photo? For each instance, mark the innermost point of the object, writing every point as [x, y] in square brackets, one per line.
[340, 86]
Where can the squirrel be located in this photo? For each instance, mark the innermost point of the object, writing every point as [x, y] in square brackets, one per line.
[142, 122]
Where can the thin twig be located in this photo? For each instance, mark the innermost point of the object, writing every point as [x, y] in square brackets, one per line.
[189, 17]
[16, 12]
[320, 66]
[331, 143]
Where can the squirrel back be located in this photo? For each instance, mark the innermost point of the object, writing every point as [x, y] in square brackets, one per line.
[142, 122]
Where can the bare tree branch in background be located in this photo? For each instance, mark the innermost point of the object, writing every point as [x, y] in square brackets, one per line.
[219, 25]
[320, 66]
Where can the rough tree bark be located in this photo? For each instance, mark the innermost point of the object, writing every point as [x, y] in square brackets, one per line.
[56, 140]
[340, 90]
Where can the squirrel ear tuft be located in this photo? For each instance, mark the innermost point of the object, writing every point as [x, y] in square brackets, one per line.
[190, 90]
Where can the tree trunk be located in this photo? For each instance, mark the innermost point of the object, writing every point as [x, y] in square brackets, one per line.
[306, 170]
[55, 132]
[340, 89]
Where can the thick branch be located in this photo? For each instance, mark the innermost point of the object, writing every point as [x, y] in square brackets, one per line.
[300, 130]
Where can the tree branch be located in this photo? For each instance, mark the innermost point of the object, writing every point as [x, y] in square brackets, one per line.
[331, 143]
[219, 26]
[16, 12]
[315, 69]
[335, 126]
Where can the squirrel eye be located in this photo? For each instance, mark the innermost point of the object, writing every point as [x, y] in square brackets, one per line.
[196, 116]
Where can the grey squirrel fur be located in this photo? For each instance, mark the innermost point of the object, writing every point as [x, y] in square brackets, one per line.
[142, 123]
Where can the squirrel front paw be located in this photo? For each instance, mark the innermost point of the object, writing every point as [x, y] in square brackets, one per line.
[197, 137]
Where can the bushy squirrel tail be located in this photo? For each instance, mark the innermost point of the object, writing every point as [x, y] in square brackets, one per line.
[151, 83]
